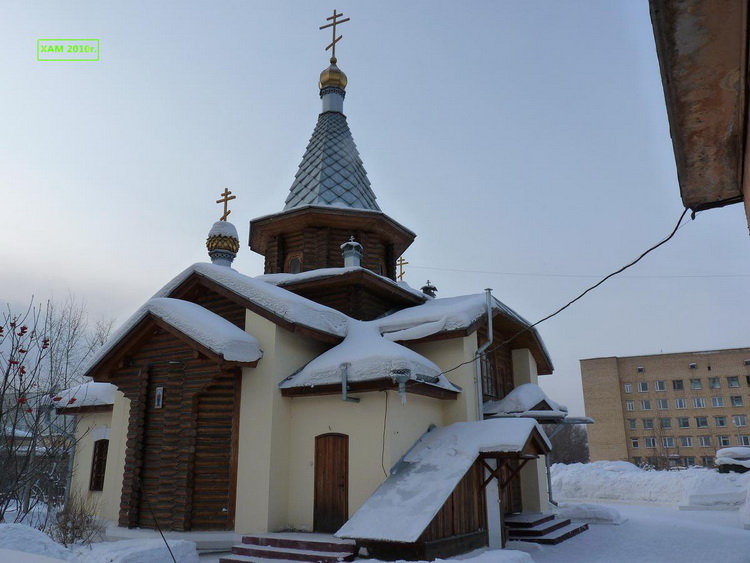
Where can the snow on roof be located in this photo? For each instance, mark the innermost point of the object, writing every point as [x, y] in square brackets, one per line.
[407, 501]
[87, 395]
[283, 279]
[207, 328]
[283, 303]
[370, 357]
[521, 402]
[446, 314]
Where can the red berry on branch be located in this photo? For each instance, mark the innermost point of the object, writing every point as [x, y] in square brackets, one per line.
[29, 411]
[72, 400]
[57, 398]
[21, 400]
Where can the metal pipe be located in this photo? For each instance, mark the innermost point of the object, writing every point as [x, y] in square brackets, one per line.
[345, 384]
[478, 355]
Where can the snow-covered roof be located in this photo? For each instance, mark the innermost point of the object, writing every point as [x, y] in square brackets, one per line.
[86, 395]
[527, 400]
[370, 357]
[206, 328]
[282, 303]
[407, 501]
[321, 273]
[447, 314]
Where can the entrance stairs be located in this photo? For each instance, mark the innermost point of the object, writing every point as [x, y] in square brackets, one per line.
[318, 548]
[541, 527]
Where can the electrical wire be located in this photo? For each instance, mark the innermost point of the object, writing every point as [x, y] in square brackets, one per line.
[569, 303]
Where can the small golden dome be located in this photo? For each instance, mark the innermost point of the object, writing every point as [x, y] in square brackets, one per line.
[333, 76]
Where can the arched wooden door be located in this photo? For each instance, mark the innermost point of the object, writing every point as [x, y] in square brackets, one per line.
[331, 505]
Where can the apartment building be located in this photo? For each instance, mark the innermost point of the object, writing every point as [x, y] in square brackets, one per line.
[667, 409]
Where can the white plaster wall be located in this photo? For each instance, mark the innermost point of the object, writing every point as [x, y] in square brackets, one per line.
[368, 454]
[524, 367]
[534, 486]
[263, 456]
[115, 469]
[448, 354]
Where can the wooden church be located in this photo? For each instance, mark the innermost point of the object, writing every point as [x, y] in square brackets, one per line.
[323, 395]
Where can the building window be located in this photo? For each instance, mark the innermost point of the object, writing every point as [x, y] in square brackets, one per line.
[294, 263]
[708, 461]
[699, 402]
[686, 441]
[705, 441]
[628, 387]
[744, 440]
[662, 404]
[645, 405]
[640, 369]
[688, 461]
[733, 381]
[98, 464]
[720, 421]
[667, 442]
[648, 423]
[701, 421]
[736, 400]
[634, 442]
[650, 442]
[717, 401]
[680, 404]
[683, 422]
[696, 384]
[643, 386]
[632, 423]
[660, 385]
[677, 385]
[723, 440]
[739, 420]
[630, 405]
[665, 422]
[713, 383]
[747, 378]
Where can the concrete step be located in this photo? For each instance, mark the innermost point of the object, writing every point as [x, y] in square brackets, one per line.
[542, 529]
[302, 541]
[288, 553]
[527, 519]
[554, 537]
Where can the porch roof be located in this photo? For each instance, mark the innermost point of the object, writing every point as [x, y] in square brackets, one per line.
[407, 501]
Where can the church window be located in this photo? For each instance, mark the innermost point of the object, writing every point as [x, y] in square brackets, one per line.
[98, 464]
[294, 263]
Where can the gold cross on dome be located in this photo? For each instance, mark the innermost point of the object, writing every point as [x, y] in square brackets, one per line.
[225, 199]
[334, 22]
[401, 263]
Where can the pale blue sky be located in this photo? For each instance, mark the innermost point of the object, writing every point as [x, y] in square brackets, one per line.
[526, 137]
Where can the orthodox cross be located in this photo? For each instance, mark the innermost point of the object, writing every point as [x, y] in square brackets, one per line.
[334, 22]
[401, 263]
[226, 198]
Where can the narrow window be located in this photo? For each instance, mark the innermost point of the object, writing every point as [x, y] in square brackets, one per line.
[721, 421]
[680, 404]
[643, 386]
[628, 387]
[294, 263]
[631, 423]
[660, 385]
[701, 421]
[696, 384]
[686, 441]
[668, 442]
[630, 405]
[723, 441]
[739, 420]
[665, 422]
[683, 422]
[699, 402]
[733, 381]
[650, 442]
[717, 401]
[736, 400]
[662, 404]
[98, 464]
[677, 385]
[648, 423]
[634, 442]
[744, 440]
[713, 383]
[705, 441]
[646, 405]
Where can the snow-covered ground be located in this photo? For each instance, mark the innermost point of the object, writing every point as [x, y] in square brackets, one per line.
[634, 515]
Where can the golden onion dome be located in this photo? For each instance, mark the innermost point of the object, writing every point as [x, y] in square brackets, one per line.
[333, 76]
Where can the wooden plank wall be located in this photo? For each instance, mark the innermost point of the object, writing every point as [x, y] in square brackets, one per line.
[464, 512]
[161, 443]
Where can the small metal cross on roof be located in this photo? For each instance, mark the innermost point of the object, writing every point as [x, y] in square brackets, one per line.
[334, 22]
[225, 199]
[401, 263]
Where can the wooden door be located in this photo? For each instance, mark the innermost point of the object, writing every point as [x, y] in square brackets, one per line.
[331, 506]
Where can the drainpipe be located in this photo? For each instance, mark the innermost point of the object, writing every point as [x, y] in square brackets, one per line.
[345, 384]
[547, 464]
[478, 355]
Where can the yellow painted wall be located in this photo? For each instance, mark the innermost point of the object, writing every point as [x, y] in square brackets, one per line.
[363, 422]
[112, 493]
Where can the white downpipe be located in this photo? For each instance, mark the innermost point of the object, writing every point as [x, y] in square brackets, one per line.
[480, 351]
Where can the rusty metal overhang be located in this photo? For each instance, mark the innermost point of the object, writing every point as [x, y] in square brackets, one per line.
[702, 50]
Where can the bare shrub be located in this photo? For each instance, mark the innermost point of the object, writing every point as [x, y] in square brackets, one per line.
[77, 522]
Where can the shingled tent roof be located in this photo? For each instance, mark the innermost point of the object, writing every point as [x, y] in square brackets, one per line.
[331, 172]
